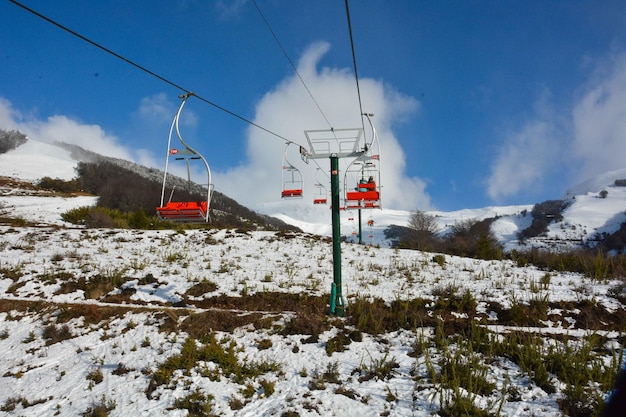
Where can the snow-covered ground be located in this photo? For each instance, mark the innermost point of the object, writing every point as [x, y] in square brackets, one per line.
[118, 336]
[60, 375]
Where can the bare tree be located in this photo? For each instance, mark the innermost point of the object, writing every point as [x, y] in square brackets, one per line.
[421, 230]
[423, 222]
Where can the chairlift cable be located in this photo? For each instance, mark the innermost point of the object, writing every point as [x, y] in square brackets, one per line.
[147, 71]
[280, 45]
[356, 74]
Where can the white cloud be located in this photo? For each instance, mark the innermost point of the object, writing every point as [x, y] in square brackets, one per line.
[158, 110]
[155, 109]
[599, 120]
[62, 129]
[229, 9]
[288, 110]
[153, 117]
[151, 123]
[589, 142]
[9, 116]
[524, 160]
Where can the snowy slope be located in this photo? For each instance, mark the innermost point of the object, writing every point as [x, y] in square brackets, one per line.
[590, 214]
[35, 160]
[68, 377]
[106, 359]
[585, 217]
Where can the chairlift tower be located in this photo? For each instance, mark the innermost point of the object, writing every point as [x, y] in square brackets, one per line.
[334, 144]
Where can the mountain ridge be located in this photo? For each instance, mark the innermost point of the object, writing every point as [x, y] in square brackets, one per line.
[592, 209]
[33, 160]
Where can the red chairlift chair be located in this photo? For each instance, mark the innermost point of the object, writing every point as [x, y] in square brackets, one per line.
[184, 211]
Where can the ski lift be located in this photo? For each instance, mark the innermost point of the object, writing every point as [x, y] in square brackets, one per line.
[362, 177]
[184, 211]
[321, 193]
[292, 179]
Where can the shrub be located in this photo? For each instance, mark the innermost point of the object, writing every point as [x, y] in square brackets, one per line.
[474, 239]
[95, 376]
[306, 323]
[378, 369]
[376, 317]
[78, 215]
[201, 288]
[368, 317]
[527, 352]
[139, 220]
[593, 263]
[337, 343]
[13, 273]
[102, 217]
[330, 375]
[439, 260]
[101, 284]
[235, 403]
[11, 403]
[268, 387]
[99, 218]
[197, 403]
[121, 370]
[58, 185]
[55, 334]
[223, 354]
[100, 409]
[264, 344]
[470, 238]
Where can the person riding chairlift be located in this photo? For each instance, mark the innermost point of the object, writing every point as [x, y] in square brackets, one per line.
[363, 181]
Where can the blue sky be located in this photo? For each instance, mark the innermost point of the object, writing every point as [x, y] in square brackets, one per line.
[477, 103]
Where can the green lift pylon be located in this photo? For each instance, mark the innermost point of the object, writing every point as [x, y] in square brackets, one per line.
[337, 304]
[334, 144]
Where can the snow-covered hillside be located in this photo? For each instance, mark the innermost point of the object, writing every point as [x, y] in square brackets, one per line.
[586, 215]
[233, 323]
[34, 160]
[593, 208]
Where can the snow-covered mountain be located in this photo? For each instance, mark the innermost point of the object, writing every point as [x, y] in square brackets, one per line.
[125, 323]
[586, 216]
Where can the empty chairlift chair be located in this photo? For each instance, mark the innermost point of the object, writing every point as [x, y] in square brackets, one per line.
[196, 211]
[291, 178]
[321, 193]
